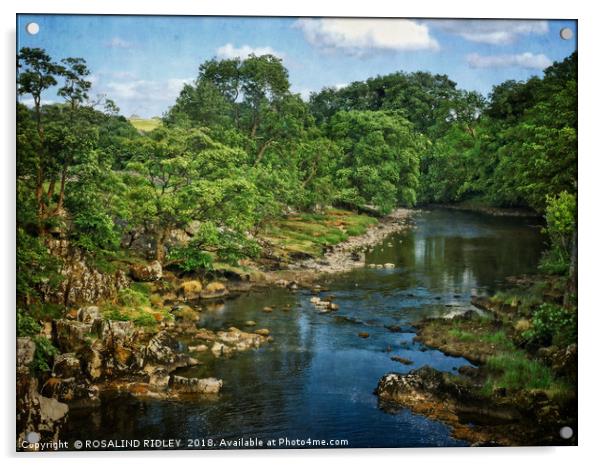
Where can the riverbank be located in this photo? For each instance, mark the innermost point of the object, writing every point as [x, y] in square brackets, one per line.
[519, 390]
[487, 209]
[137, 341]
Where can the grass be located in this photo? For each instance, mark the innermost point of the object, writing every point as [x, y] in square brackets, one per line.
[499, 339]
[515, 371]
[310, 233]
[145, 124]
[135, 304]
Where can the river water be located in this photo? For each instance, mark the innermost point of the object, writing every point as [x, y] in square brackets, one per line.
[316, 380]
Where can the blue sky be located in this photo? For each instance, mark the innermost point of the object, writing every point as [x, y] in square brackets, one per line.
[141, 62]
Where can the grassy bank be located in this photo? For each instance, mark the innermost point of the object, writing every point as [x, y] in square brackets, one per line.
[308, 234]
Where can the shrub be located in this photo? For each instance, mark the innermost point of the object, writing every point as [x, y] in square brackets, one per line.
[560, 217]
[45, 352]
[552, 324]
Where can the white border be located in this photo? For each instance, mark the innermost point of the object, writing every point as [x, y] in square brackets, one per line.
[590, 173]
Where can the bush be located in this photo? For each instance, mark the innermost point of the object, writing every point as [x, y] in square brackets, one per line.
[560, 217]
[45, 352]
[552, 324]
[26, 325]
[134, 297]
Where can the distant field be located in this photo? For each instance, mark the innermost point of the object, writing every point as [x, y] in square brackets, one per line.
[145, 124]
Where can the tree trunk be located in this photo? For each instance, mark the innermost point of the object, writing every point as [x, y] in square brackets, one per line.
[160, 244]
[571, 289]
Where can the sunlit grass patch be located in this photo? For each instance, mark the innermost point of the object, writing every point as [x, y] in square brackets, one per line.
[309, 233]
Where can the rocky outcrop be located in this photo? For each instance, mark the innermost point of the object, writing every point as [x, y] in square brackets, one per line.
[83, 283]
[39, 418]
[150, 272]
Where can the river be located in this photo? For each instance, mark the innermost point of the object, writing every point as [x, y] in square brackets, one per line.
[316, 380]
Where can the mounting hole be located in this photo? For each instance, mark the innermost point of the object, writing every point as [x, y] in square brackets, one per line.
[32, 28]
[566, 33]
[566, 432]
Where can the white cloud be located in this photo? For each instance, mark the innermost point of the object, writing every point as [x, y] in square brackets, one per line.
[360, 36]
[119, 43]
[499, 31]
[141, 89]
[522, 60]
[230, 51]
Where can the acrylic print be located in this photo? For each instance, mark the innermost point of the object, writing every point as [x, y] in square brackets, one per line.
[257, 232]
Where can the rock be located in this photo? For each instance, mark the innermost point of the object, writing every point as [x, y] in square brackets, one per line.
[67, 365]
[198, 348]
[389, 265]
[89, 314]
[379, 266]
[191, 290]
[267, 309]
[315, 300]
[281, 282]
[26, 349]
[93, 363]
[159, 379]
[147, 272]
[193, 385]
[250, 323]
[371, 266]
[82, 283]
[205, 334]
[393, 328]
[363, 334]
[333, 307]
[35, 412]
[114, 333]
[162, 350]
[219, 349]
[407, 362]
[264, 332]
[214, 290]
[72, 336]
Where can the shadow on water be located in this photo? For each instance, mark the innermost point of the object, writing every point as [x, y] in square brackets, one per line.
[318, 376]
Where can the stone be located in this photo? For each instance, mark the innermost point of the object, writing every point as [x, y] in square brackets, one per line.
[363, 334]
[193, 385]
[88, 314]
[250, 323]
[389, 265]
[159, 379]
[26, 349]
[407, 362]
[93, 363]
[267, 309]
[198, 348]
[73, 336]
[150, 272]
[67, 365]
[219, 349]
[264, 332]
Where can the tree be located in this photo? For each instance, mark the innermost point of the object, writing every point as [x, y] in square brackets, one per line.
[381, 157]
[177, 176]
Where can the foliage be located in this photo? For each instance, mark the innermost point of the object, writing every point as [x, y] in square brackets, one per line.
[552, 324]
[561, 222]
[380, 165]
